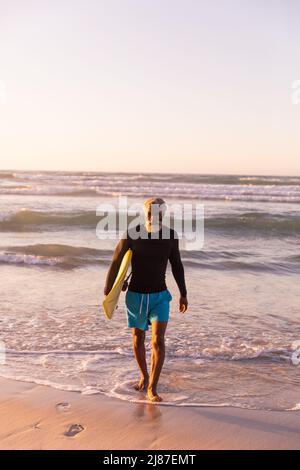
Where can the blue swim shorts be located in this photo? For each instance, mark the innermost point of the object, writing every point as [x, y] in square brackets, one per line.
[144, 308]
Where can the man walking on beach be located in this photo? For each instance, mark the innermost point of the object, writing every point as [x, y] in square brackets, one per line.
[147, 298]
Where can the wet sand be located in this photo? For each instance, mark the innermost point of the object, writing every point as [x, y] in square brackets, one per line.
[39, 417]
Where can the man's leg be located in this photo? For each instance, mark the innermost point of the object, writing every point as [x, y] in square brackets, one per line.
[140, 355]
[157, 358]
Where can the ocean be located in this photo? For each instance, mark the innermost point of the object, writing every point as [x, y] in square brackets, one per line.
[236, 345]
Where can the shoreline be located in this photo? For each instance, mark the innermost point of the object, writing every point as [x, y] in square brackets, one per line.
[40, 417]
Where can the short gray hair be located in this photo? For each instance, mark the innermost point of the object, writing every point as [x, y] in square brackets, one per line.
[158, 201]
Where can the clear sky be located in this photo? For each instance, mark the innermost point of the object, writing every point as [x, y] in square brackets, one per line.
[150, 85]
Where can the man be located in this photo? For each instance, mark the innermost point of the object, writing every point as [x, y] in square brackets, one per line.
[147, 298]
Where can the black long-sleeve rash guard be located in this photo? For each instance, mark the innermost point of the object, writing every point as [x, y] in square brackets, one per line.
[150, 255]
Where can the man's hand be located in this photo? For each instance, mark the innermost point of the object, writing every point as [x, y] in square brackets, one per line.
[183, 304]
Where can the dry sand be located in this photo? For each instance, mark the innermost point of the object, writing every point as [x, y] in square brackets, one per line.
[39, 417]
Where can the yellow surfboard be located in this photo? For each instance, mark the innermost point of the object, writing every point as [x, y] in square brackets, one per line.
[110, 302]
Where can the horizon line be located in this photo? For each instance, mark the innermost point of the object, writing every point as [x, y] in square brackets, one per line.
[150, 173]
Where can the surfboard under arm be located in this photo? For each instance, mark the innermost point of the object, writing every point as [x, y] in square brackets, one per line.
[110, 301]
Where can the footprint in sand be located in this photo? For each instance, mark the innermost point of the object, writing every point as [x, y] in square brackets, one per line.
[73, 430]
[63, 406]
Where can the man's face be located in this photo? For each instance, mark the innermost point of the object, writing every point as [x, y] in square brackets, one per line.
[154, 214]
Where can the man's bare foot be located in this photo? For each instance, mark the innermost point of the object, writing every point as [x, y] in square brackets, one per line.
[153, 395]
[142, 384]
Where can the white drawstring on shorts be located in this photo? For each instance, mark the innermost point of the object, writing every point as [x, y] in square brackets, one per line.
[141, 305]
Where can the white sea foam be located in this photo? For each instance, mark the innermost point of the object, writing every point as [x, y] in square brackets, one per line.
[235, 188]
[295, 408]
[18, 258]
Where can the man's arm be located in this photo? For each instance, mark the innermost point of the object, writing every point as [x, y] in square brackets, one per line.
[120, 250]
[177, 267]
